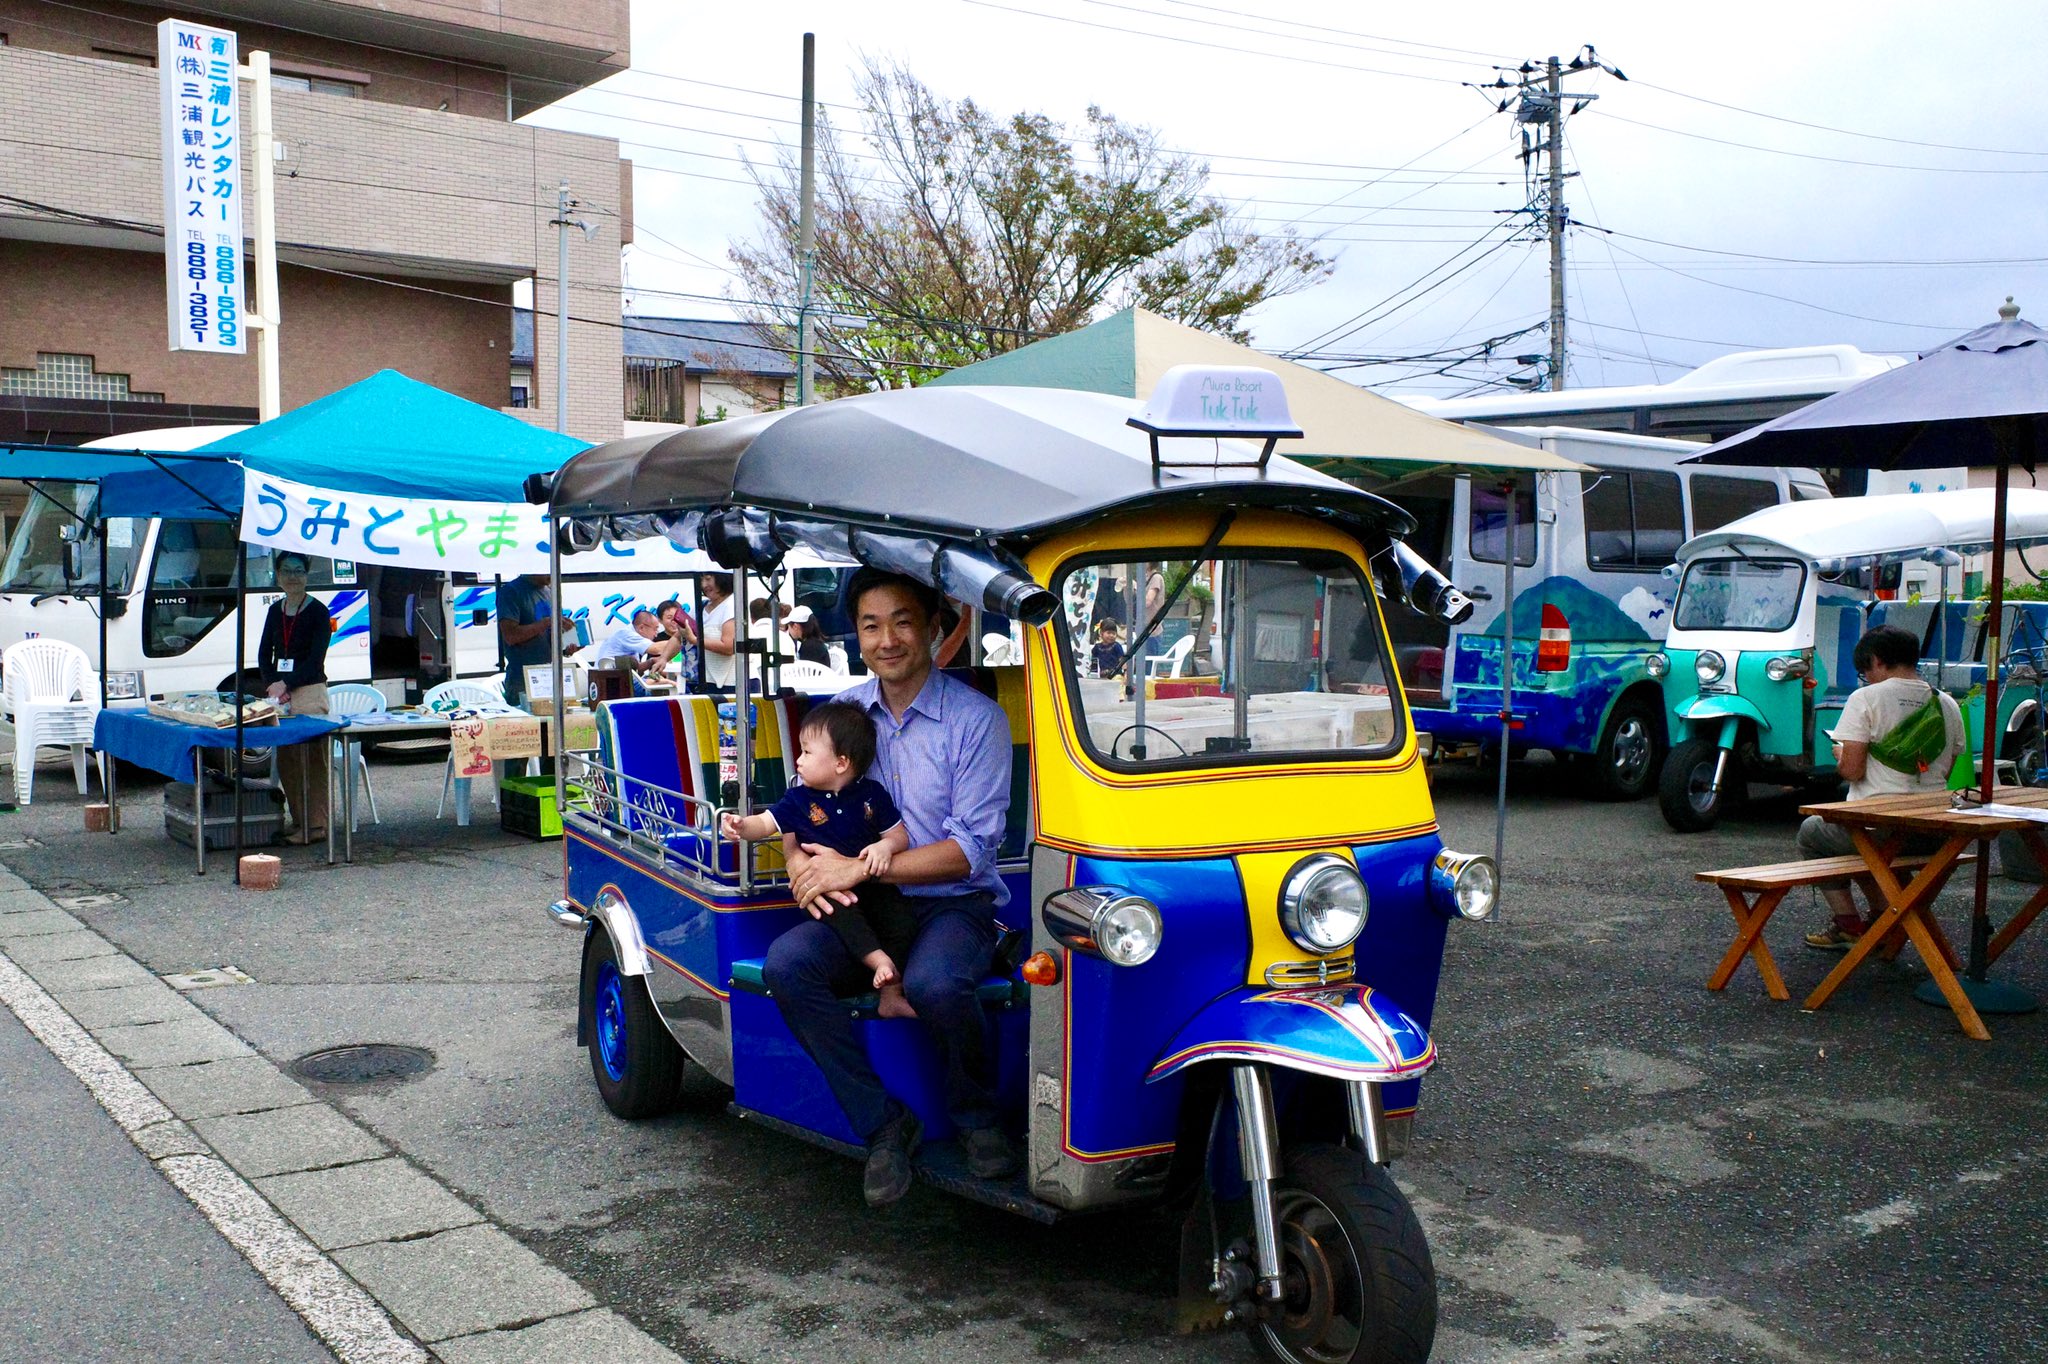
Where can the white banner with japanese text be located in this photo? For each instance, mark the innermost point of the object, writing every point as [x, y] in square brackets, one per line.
[485, 538]
[203, 258]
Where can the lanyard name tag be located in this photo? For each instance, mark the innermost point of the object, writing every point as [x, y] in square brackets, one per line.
[284, 666]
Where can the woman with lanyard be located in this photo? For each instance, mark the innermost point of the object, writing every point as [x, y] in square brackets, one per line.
[292, 657]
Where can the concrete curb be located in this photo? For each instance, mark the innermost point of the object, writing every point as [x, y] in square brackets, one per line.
[412, 1262]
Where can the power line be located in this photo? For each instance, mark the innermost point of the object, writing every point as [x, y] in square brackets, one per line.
[1830, 128]
[1816, 156]
[1781, 298]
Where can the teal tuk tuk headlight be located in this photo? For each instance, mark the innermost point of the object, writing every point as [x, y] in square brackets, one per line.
[1104, 921]
[1467, 884]
[1657, 665]
[1323, 904]
[1709, 666]
[1787, 668]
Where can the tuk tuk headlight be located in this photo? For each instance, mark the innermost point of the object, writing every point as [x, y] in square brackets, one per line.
[1709, 666]
[1323, 903]
[1785, 669]
[1657, 664]
[1467, 884]
[1104, 921]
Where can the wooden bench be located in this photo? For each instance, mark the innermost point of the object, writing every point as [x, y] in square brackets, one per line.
[1755, 892]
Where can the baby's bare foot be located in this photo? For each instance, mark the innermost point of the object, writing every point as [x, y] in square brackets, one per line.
[893, 1003]
[885, 969]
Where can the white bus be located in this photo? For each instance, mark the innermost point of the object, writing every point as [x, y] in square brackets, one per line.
[171, 597]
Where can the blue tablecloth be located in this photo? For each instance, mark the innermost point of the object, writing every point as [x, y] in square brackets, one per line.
[166, 746]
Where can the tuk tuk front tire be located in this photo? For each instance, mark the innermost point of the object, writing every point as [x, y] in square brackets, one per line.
[636, 1063]
[1359, 1284]
[1685, 789]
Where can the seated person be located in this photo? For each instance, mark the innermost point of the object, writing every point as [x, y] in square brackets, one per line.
[838, 806]
[634, 643]
[760, 615]
[1887, 659]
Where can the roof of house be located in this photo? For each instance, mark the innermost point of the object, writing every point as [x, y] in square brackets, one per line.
[700, 345]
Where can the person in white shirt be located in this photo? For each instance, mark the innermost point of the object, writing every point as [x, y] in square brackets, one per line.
[632, 641]
[1888, 660]
[716, 634]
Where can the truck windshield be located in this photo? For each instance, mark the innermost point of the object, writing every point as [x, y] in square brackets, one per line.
[1267, 653]
[1740, 594]
[35, 554]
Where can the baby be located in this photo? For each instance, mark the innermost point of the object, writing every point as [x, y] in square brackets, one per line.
[838, 807]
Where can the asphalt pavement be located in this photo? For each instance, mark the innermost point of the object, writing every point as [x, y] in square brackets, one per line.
[106, 1260]
[1612, 1162]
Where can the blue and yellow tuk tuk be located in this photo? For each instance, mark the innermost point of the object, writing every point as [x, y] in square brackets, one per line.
[1228, 897]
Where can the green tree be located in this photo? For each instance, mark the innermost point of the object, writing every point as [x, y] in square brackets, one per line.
[958, 235]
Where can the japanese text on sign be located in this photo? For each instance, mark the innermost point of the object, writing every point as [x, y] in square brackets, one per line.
[503, 539]
[196, 66]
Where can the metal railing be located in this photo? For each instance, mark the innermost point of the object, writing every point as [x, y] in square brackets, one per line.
[671, 827]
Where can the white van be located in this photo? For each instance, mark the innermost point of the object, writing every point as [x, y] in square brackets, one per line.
[1591, 599]
[171, 597]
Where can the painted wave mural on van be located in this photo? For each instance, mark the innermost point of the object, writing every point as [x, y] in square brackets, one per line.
[1564, 709]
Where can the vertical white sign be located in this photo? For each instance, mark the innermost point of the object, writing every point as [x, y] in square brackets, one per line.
[202, 186]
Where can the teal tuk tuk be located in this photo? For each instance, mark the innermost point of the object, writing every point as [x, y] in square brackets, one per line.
[1756, 668]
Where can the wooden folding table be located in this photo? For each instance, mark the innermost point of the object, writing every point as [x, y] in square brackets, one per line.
[1880, 828]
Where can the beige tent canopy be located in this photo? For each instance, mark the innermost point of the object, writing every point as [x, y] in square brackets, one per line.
[1347, 431]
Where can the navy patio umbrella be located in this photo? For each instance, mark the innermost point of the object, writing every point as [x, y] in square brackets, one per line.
[1979, 400]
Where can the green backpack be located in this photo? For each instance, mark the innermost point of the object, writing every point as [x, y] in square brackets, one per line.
[1917, 742]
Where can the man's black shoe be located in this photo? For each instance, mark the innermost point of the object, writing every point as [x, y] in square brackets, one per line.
[889, 1153]
[990, 1153]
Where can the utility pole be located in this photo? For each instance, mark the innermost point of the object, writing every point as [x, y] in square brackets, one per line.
[807, 226]
[1539, 102]
[563, 223]
[269, 381]
[1554, 79]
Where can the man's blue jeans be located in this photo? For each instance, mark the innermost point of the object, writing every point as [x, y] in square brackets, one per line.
[809, 970]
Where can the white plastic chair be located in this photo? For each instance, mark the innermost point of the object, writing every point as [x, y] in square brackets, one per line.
[1173, 660]
[52, 696]
[472, 693]
[356, 698]
[837, 653]
[799, 673]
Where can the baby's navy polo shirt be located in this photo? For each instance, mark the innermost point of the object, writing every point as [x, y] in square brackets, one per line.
[846, 820]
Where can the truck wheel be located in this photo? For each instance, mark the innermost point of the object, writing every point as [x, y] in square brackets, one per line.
[1358, 1284]
[636, 1063]
[1624, 766]
[1685, 791]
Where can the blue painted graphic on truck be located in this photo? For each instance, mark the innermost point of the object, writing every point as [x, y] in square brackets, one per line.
[1603, 646]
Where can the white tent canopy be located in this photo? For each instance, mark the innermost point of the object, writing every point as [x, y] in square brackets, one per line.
[1879, 529]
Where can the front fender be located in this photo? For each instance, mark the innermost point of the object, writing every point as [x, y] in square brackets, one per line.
[1347, 1032]
[1708, 707]
[615, 917]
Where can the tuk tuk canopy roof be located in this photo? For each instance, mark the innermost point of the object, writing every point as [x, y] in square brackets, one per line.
[1345, 429]
[1878, 529]
[983, 464]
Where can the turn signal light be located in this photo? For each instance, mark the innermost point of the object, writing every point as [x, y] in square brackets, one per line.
[1041, 968]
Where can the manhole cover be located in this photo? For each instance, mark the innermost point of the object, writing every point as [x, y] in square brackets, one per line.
[363, 1063]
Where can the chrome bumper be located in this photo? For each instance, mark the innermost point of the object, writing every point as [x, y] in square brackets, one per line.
[567, 915]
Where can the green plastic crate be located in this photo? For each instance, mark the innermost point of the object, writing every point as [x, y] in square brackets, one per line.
[526, 806]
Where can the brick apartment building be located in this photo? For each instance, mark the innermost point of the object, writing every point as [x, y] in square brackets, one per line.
[402, 168]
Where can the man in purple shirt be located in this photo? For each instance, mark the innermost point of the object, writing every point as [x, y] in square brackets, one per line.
[942, 750]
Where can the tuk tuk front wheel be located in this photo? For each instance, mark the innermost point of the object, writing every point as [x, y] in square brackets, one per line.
[635, 1062]
[1358, 1285]
[1685, 790]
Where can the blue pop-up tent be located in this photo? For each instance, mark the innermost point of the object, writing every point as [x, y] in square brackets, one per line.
[387, 434]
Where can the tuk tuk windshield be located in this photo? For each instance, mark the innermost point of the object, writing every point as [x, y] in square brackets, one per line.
[1274, 652]
[1740, 594]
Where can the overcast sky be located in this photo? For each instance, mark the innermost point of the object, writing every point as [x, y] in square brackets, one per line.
[1349, 122]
